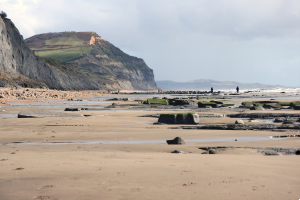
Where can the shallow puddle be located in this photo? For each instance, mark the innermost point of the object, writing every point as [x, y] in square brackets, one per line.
[191, 141]
[3, 116]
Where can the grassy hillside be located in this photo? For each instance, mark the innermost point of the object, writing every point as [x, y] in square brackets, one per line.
[64, 47]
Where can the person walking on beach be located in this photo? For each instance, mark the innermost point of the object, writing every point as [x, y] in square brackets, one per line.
[237, 89]
[212, 89]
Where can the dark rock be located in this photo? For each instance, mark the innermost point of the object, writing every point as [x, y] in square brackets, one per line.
[177, 140]
[211, 151]
[270, 153]
[297, 152]
[257, 108]
[72, 109]
[177, 151]
[288, 122]
[179, 118]
[262, 115]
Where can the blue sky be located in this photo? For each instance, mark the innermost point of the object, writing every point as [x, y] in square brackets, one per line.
[249, 41]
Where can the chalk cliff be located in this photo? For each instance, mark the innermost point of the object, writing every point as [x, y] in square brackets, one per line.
[19, 66]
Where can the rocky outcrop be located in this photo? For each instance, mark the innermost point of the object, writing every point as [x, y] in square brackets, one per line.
[20, 66]
[179, 118]
[177, 140]
[242, 127]
[263, 115]
[97, 58]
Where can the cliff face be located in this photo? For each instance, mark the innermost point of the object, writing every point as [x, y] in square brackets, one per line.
[96, 57]
[20, 66]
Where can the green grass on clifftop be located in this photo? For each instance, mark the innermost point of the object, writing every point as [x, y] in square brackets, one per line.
[65, 55]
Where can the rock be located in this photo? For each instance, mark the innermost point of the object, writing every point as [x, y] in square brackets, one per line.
[22, 67]
[72, 109]
[262, 115]
[239, 121]
[179, 118]
[211, 151]
[177, 151]
[270, 153]
[205, 104]
[297, 152]
[257, 108]
[177, 140]
[288, 122]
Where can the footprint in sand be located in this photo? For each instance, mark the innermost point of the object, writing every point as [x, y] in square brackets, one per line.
[43, 198]
[47, 186]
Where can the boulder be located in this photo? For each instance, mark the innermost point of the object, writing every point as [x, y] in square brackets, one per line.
[239, 121]
[177, 151]
[297, 152]
[179, 118]
[211, 151]
[204, 104]
[72, 109]
[177, 140]
[257, 108]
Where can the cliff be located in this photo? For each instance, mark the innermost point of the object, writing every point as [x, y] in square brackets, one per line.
[19, 66]
[97, 58]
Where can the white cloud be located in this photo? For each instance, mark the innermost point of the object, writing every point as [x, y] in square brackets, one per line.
[246, 41]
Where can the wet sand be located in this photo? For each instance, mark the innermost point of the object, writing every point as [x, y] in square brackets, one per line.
[134, 169]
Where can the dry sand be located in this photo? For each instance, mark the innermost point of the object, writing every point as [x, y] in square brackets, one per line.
[121, 170]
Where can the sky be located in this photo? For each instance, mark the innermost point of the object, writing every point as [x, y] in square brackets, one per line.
[248, 41]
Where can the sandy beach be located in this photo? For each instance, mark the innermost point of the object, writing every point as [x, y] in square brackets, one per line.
[117, 154]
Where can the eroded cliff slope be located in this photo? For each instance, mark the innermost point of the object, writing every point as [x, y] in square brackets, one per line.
[20, 66]
[96, 57]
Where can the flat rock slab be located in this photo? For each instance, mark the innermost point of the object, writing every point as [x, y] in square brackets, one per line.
[44, 113]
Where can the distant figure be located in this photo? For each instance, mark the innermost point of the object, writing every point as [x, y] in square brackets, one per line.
[212, 89]
[237, 89]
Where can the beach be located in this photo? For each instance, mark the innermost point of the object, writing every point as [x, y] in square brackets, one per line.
[115, 153]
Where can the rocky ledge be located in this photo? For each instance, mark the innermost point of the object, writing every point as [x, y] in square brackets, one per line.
[242, 127]
[265, 151]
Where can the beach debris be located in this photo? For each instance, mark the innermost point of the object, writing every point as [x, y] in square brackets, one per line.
[177, 140]
[239, 121]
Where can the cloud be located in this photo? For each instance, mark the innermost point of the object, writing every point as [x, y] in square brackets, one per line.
[246, 41]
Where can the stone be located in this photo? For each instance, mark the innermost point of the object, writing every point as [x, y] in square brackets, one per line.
[257, 108]
[179, 118]
[177, 140]
[271, 153]
[297, 152]
[177, 151]
[239, 121]
[72, 109]
[211, 151]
